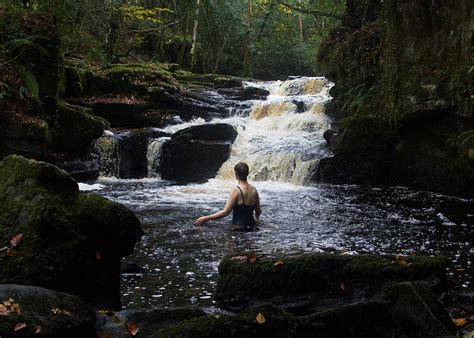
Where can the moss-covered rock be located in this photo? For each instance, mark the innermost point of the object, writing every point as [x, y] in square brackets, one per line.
[44, 312]
[312, 282]
[148, 321]
[389, 63]
[276, 323]
[62, 245]
[75, 129]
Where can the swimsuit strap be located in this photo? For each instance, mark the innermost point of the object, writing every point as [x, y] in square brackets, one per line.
[243, 199]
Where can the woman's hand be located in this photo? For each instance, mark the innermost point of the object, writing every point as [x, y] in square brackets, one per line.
[200, 220]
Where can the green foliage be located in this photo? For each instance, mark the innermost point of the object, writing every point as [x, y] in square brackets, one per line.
[456, 142]
[31, 85]
[22, 44]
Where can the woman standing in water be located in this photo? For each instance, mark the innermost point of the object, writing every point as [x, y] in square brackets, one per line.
[243, 200]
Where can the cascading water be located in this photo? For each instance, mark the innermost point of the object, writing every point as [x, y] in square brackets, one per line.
[108, 149]
[282, 138]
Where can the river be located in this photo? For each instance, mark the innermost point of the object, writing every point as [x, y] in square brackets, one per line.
[281, 139]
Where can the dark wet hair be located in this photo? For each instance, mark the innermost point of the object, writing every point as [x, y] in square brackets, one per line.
[241, 170]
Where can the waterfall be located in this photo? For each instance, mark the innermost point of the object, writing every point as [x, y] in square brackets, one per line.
[108, 149]
[282, 138]
[153, 156]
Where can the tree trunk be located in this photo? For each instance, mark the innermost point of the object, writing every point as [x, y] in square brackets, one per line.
[195, 30]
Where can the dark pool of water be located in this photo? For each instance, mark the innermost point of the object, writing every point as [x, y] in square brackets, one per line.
[181, 260]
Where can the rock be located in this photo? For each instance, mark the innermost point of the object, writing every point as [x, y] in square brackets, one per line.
[131, 267]
[278, 323]
[148, 321]
[124, 155]
[217, 132]
[71, 242]
[413, 306]
[45, 313]
[23, 135]
[195, 154]
[75, 129]
[316, 282]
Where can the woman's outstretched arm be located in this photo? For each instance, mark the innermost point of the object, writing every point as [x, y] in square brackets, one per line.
[231, 200]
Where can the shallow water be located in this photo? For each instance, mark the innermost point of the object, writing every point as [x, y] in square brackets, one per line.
[181, 260]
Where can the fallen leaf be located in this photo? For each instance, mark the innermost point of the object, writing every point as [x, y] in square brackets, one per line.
[19, 326]
[38, 329]
[460, 321]
[260, 318]
[7, 302]
[97, 255]
[15, 240]
[252, 257]
[15, 307]
[343, 286]
[58, 311]
[239, 258]
[278, 263]
[132, 328]
[413, 254]
[3, 310]
[11, 252]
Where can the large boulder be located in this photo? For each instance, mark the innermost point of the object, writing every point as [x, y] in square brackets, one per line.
[195, 154]
[30, 311]
[316, 282]
[58, 238]
[76, 128]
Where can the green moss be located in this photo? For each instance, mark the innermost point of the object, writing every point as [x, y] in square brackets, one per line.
[240, 283]
[75, 128]
[278, 323]
[110, 225]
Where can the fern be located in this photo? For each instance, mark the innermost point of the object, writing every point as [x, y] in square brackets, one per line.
[465, 137]
[27, 43]
[29, 80]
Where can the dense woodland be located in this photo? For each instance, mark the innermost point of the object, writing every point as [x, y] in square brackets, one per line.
[259, 38]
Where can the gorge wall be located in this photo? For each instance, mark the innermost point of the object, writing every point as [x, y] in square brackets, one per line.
[403, 96]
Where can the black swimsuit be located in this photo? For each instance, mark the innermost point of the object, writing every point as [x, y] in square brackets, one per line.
[242, 215]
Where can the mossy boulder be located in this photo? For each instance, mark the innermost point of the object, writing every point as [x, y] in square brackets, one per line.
[276, 323]
[62, 245]
[75, 129]
[148, 321]
[45, 313]
[314, 282]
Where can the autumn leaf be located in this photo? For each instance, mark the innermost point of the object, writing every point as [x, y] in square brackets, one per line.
[132, 328]
[15, 240]
[239, 258]
[19, 326]
[278, 264]
[413, 254]
[260, 318]
[11, 252]
[38, 329]
[3, 310]
[15, 307]
[460, 321]
[97, 255]
[252, 257]
[58, 311]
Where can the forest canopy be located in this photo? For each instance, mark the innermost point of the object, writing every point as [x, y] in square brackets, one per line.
[258, 38]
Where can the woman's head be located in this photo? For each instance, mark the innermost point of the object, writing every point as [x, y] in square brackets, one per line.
[241, 171]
